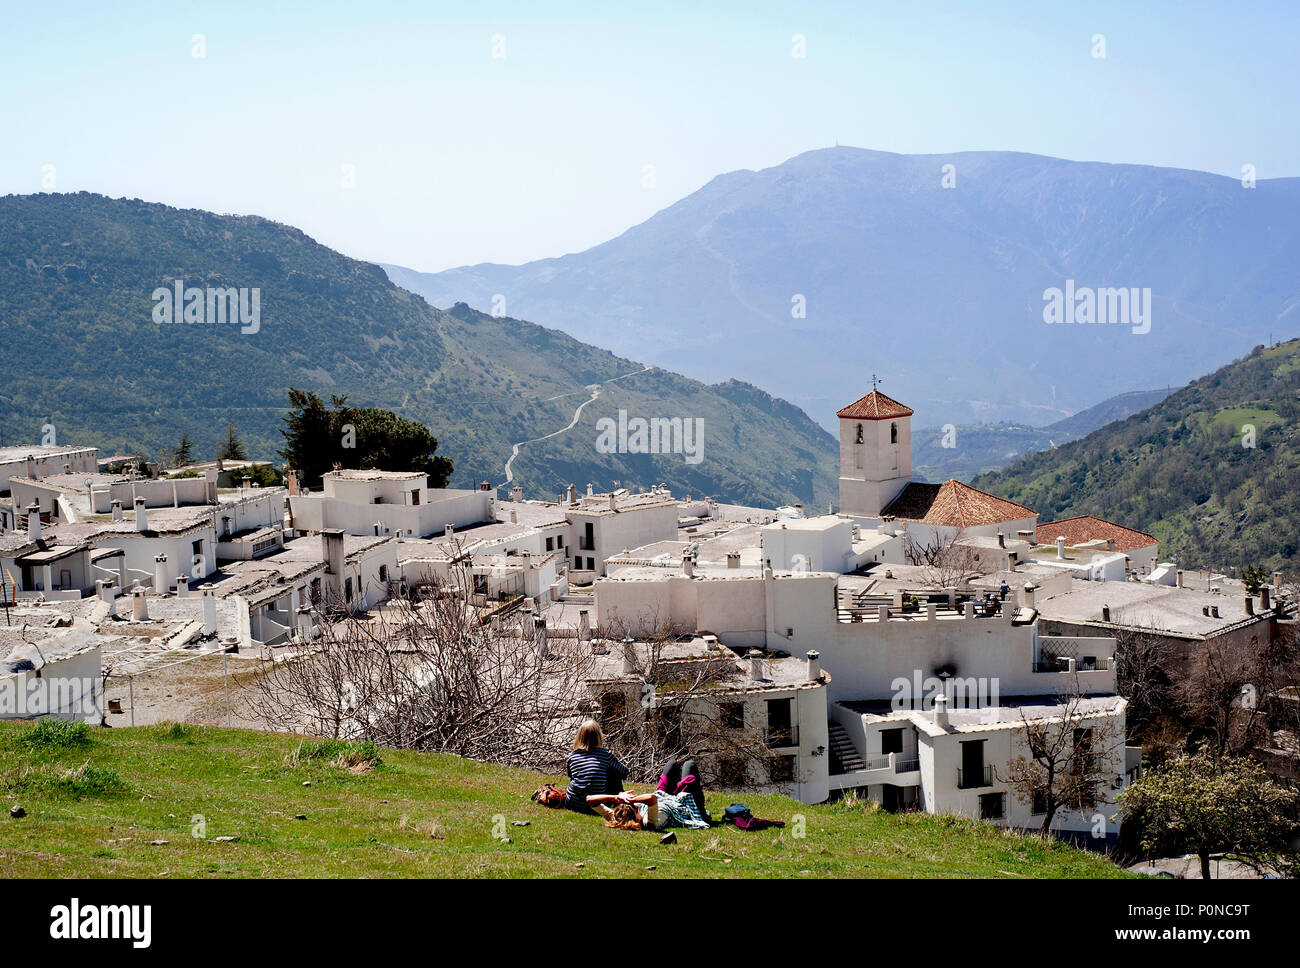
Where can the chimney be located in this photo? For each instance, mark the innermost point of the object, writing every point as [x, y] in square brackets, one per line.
[1105, 613]
[1029, 537]
[245, 483]
[1205, 610]
[1060, 546]
[141, 515]
[814, 666]
[1277, 580]
[485, 485]
[572, 493]
[1250, 605]
[331, 540]
[117, 510]
[31, 467]
[514, 517]
[755, 665]
[182, 586]
[968, 609]
[1180, 577]
[629, 658]
[613, 502]
[590, 490]
[209, 611]
[516, 493]
[1002, 540]
[1030, 588]
[159, 573]
[1214, 611]
[448, 531]
[539, 634]
[688, 565]
[941, 711]
[33, 522]
[1264, 599]
[67, 468]
[584, 625]
[733, 559]
[139, 607]
[104, 589]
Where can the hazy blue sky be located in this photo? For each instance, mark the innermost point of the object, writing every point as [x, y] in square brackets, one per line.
[462, 157]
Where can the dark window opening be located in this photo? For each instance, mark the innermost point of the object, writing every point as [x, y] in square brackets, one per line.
[992, 806]
[781, 769]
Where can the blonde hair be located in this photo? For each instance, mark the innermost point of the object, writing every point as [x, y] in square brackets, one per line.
[625, 816]
[589, 736]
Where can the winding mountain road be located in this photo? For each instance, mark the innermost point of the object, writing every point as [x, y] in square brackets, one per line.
[594, 391]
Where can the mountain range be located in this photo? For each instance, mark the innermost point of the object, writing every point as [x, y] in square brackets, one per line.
[966, 450]
[86, 356]
[1211, 470]
[932, 271]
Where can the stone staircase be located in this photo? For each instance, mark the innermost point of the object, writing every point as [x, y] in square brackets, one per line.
[845, 757]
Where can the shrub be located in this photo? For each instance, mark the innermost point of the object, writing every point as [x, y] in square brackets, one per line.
[356, 757]
[55, 735]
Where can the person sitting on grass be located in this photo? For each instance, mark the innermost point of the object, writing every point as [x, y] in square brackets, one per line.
[661, 809]
[592, 769]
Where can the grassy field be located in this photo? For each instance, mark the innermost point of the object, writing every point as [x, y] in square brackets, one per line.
[157, 801]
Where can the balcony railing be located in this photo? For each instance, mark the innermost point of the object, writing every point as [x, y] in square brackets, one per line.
[974, 779]
[906, 765]
[777, 737]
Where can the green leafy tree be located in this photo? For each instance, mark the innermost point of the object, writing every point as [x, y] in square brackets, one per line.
[232, 448]
[1254, 577]
[317, 437]
[183, 455]
[1226, 807]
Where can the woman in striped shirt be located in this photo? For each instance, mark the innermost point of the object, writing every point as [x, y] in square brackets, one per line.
[593, 770]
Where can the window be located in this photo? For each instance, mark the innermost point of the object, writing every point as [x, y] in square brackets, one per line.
[550, 544]
[731, 771]
[781, 769]
[891, 741]
[613, 710]
[780, 729]
[347, 590]
[973, 773]
[992, 806]
[383, 574]
[859, 437]
[415, 496]
[198, 547]
[559, 541]
[893, 433]
[315, 591]
[588, 542]
[1084, 760]
[733, 715]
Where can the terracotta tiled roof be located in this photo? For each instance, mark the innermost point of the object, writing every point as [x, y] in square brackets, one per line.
[1085, 527]
[874, 406]
[954, 505]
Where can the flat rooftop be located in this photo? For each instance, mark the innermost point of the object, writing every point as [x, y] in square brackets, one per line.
[1155, 607]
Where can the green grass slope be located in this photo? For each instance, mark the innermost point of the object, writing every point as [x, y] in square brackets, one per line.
[123, 805]
[77, 273]
[1182, 471]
